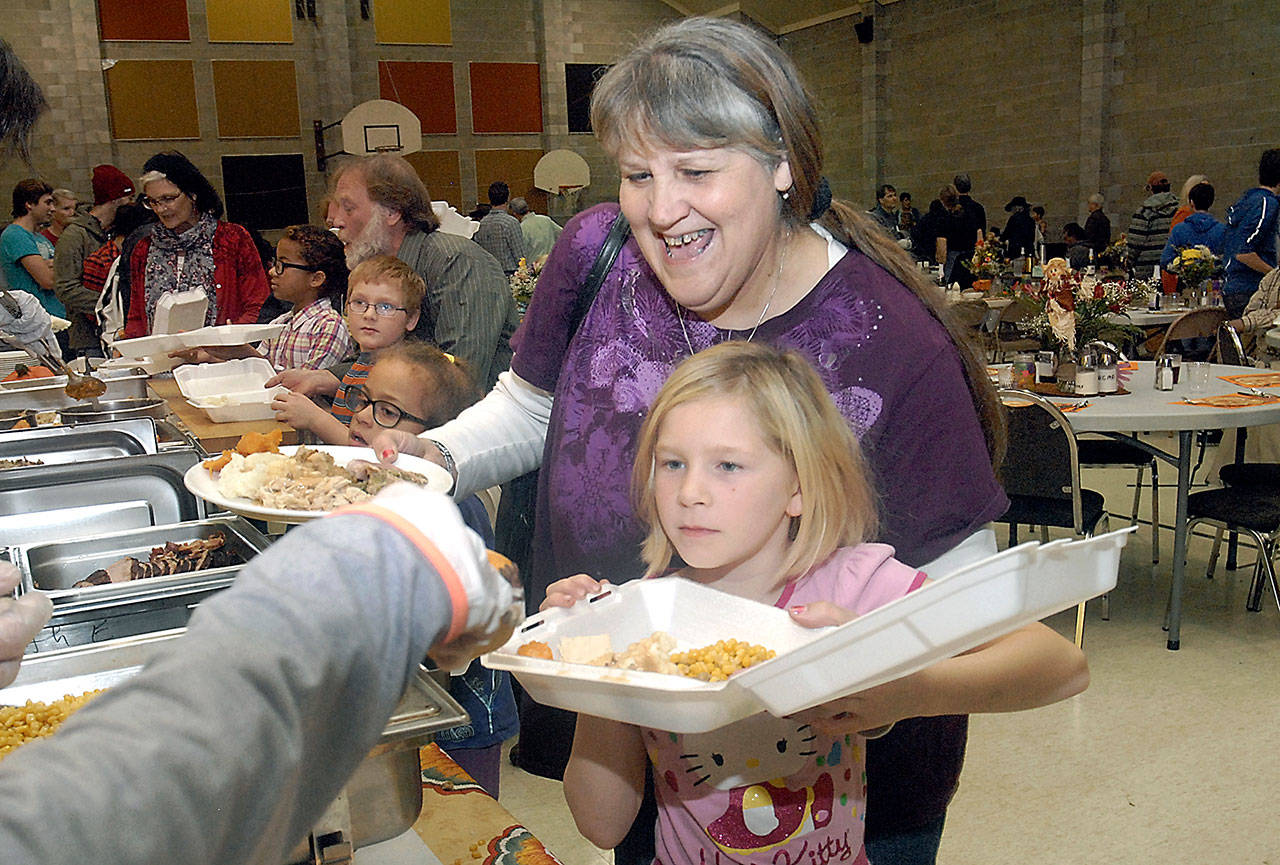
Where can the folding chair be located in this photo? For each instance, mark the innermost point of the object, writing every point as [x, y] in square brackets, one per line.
[1041, 476]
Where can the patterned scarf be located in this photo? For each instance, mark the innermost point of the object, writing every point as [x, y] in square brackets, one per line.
[195, 249]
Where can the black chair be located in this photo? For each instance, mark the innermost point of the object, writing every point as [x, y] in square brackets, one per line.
[1009, 335]
[1041, 476]
[1230, 349]
[1103, 452]
[1254, 513]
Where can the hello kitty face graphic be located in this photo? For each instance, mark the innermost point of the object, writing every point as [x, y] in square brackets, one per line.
[759, 748]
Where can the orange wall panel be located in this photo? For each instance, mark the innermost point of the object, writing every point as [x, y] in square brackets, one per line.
[506, 97]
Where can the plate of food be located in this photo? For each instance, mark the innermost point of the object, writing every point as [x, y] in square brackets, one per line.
[264, 481]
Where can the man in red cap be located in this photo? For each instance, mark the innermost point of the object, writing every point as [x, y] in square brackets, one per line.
[1149, 227]
[86, 233]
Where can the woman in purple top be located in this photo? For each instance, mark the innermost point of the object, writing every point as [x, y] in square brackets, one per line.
[735, 236]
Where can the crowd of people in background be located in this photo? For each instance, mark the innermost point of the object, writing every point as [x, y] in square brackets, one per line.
[1243, 243]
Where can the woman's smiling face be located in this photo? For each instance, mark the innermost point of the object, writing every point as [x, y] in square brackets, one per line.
[704, 220]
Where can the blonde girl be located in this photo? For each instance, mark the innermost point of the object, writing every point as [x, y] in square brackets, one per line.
[747, 472]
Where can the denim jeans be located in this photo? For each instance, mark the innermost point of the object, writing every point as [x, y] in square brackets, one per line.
[910, 847]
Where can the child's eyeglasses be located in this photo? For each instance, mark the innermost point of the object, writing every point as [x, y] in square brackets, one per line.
[278, 267]
[385, 414]
[360, 307]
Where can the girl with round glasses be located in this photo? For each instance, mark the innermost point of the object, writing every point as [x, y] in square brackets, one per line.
[414, 386]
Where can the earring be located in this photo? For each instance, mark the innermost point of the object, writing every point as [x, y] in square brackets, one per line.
[786, 196]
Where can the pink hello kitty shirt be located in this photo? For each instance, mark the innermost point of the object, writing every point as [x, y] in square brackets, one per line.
[771, 791]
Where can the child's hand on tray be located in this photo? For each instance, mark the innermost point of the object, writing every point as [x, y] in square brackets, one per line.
[570, 590]
[872, 712]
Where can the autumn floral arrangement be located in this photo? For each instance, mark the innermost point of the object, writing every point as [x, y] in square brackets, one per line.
[1193, 265]
[1075, 309]
[1115, 256]
[986, 260]
[524, 280]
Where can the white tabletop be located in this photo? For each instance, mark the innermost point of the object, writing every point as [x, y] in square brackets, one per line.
[1272, 337]
[1145, 408]
[1146, 317]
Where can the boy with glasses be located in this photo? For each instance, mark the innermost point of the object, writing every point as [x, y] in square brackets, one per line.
[383, 302]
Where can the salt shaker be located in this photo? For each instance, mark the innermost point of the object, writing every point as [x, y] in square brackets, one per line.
[1108, 373]
[1164, 373]
[1086, 376]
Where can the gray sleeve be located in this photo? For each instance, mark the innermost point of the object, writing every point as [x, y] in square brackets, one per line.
[72, 249]
[227, 748]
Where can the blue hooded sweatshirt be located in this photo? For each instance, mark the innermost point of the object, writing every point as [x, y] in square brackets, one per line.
[1198, 229]
[1251, 227]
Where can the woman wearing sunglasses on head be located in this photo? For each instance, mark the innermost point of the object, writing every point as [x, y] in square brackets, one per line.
[191, 247]
[310, 273]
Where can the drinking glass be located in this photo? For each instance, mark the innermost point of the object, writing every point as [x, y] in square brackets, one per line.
[1198, 376]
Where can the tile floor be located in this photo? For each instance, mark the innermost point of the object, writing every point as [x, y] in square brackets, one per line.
[1168, 756]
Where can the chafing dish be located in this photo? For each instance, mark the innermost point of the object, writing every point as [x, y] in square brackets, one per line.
[380, 801]
[90, 441]
[150, 481]
[54, 568]
[114, 409]
[48, 393]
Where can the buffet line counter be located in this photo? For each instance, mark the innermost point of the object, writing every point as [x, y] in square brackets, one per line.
[213, 437]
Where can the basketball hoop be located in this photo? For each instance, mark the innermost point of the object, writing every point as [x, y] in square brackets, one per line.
[571, 194]
[388, 148]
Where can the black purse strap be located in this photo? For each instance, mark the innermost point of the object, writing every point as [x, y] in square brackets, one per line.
[613, 242]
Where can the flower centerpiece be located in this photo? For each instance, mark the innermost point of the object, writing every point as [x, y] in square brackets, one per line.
[1193, 265]
[524, 280]
[1076, 309]
[985, 263]
[1115, 256]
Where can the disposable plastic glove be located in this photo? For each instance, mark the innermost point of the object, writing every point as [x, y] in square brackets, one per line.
[487, 604]
[20, 621]
[30, 327]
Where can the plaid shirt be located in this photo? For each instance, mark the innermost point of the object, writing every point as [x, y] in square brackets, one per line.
[315, 337]
[98, 264]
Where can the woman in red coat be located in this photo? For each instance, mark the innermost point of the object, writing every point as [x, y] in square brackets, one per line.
[191, 247]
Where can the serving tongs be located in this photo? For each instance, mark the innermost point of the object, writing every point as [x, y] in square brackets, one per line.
[79, 385]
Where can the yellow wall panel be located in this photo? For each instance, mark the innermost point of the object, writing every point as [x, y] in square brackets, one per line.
[256, 98]
[151, 99]
[250, 20]
[412, 22]
[515, 168]
[440, 172]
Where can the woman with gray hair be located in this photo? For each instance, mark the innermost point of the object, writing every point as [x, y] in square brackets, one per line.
[734, 235]
[1097, 228]
[191, 247]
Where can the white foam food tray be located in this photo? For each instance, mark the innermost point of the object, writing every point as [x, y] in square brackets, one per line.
[233, 390]
[223, 334]
[941, 619]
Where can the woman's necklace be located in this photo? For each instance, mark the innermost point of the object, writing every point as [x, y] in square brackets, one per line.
[777, 278]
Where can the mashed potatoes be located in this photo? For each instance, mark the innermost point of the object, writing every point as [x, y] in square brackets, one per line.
[244, 476]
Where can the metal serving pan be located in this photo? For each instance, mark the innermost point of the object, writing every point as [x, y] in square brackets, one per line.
[121, 384]
[54, 568]
[95, 410]
[90, 441]
[152, 479]
[381, 800]
[160, 609]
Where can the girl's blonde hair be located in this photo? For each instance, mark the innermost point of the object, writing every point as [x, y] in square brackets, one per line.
[710, 82]
[797, 419]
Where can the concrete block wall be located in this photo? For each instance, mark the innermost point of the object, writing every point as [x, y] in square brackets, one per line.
[1051, 101]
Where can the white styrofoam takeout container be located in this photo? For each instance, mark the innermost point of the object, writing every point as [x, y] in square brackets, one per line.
[953, 614]
[233, 390]
[223, 334]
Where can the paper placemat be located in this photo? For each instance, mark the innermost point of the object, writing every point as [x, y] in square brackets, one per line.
[1254, 379]
[1230, 400]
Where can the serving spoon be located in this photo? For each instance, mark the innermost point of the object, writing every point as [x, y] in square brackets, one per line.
[79, 386]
